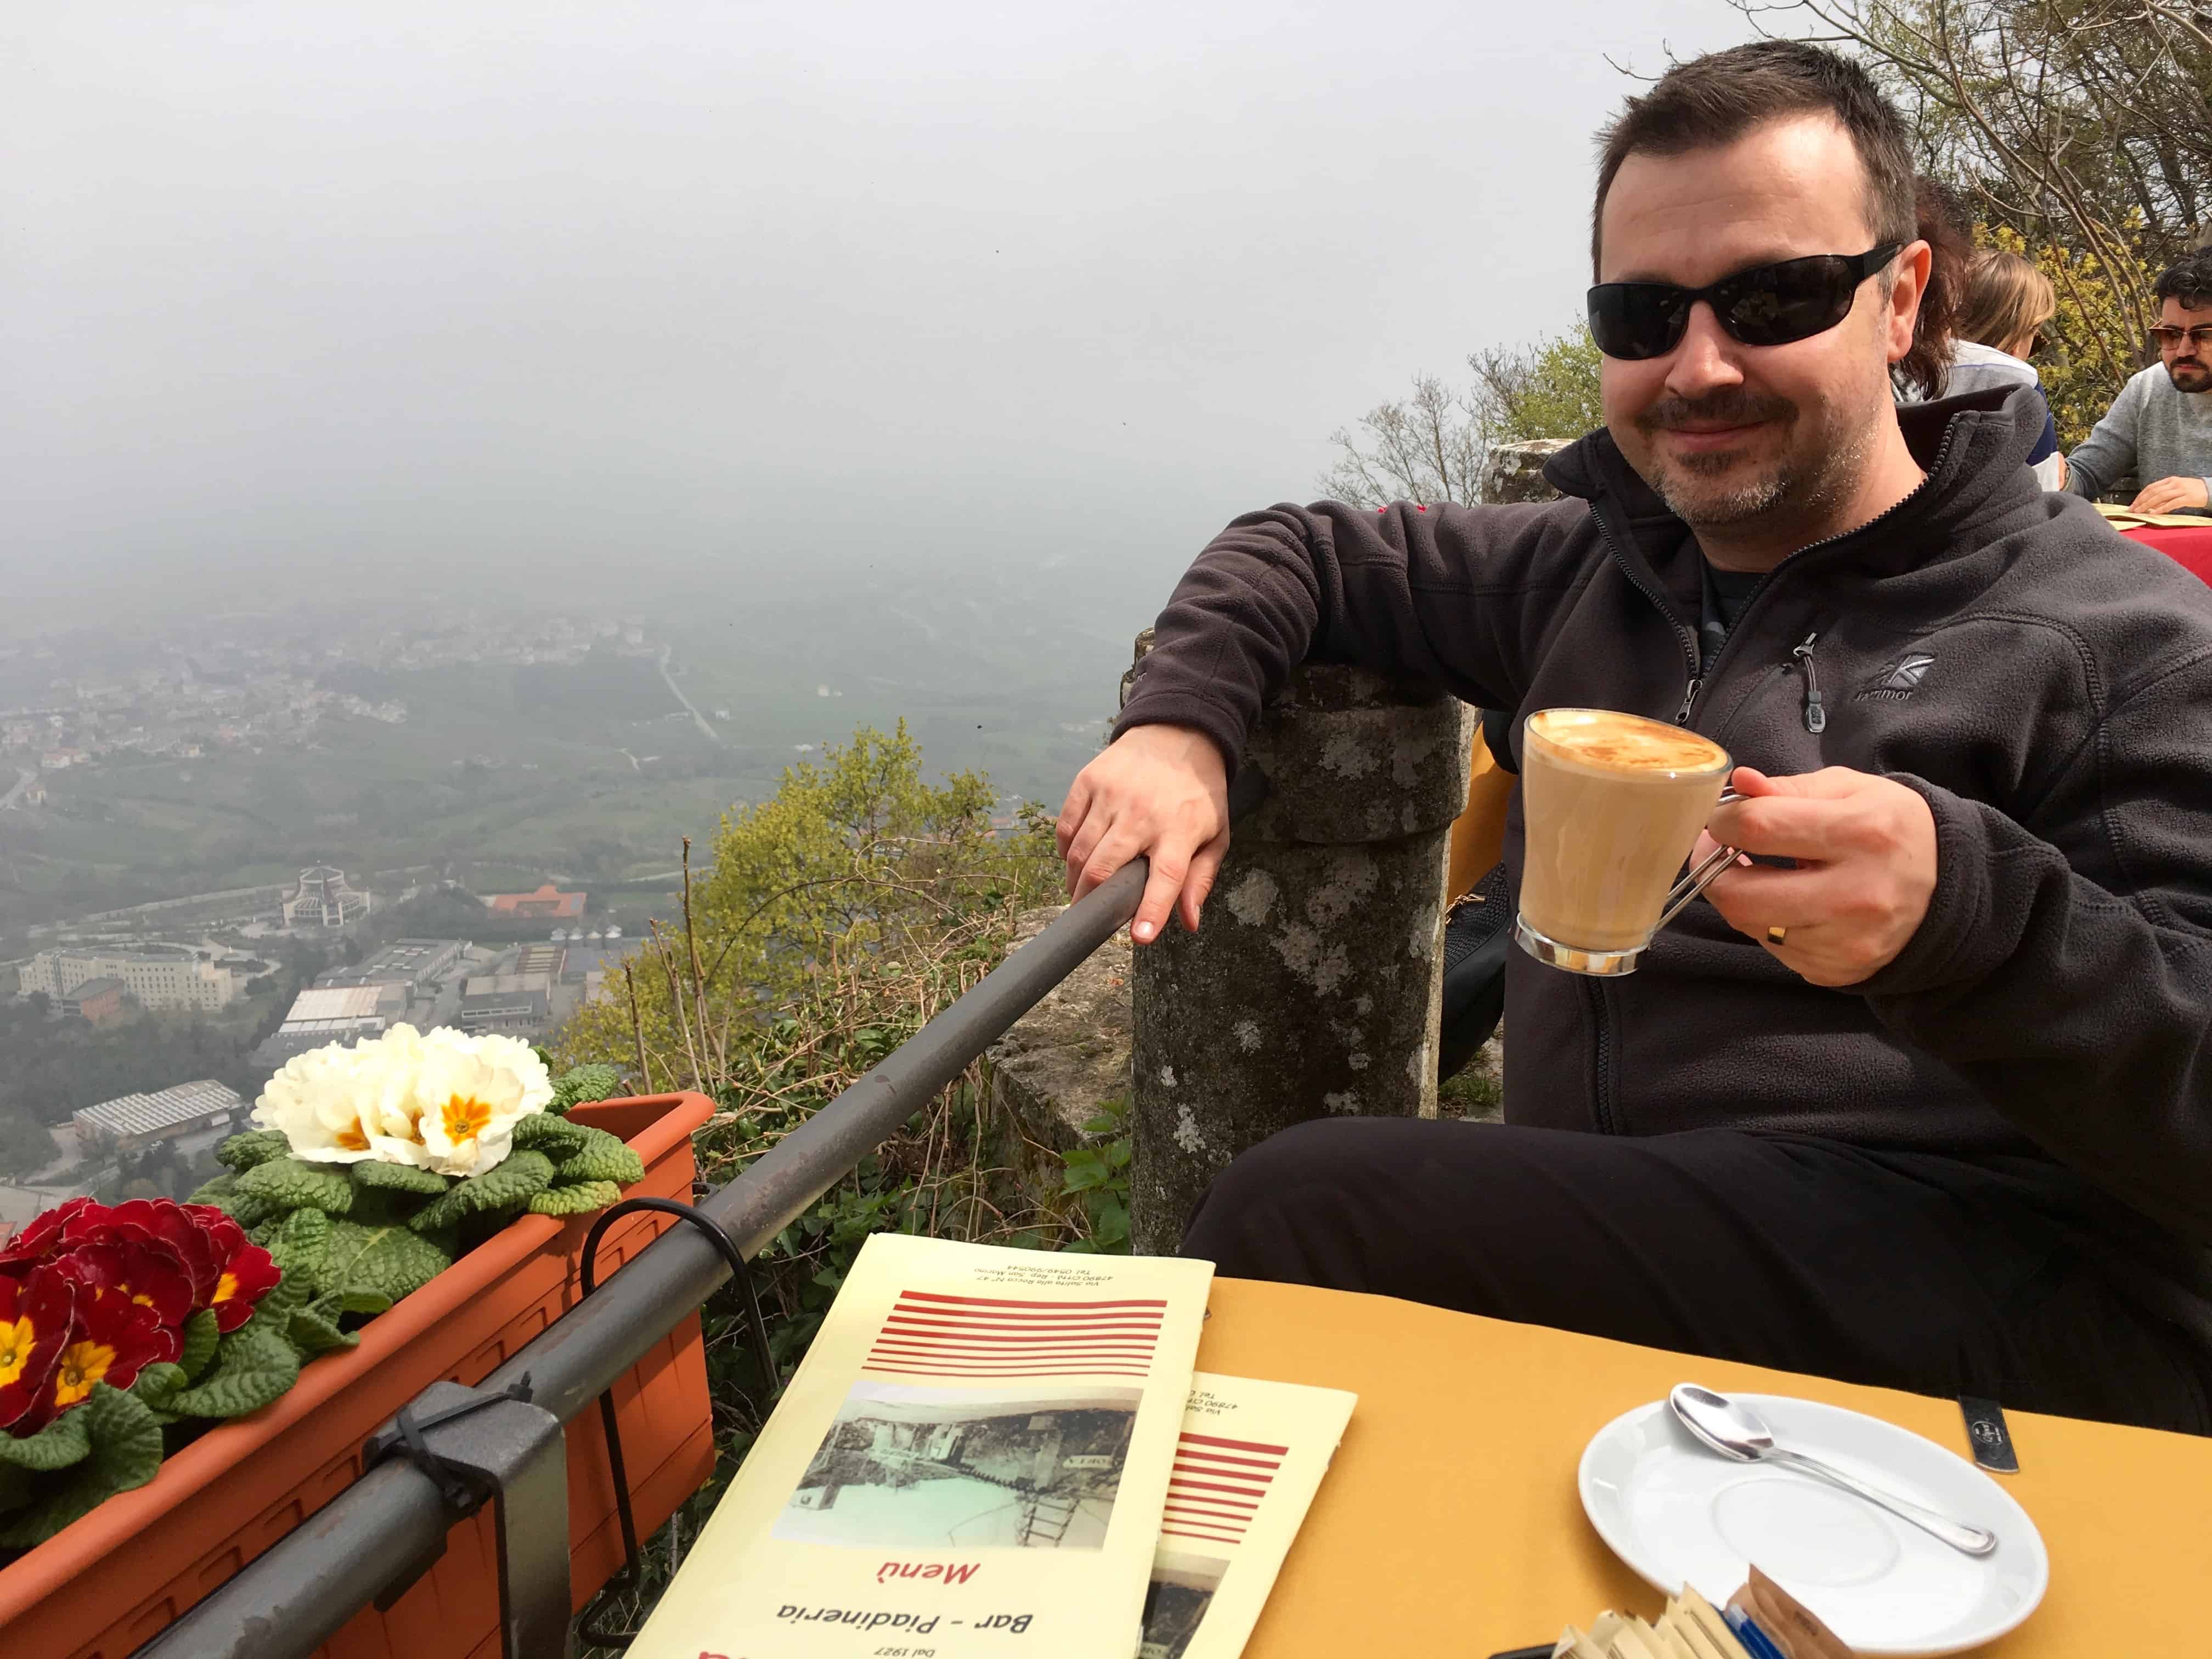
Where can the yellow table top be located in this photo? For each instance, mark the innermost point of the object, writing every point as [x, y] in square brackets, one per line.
[1449, 1524]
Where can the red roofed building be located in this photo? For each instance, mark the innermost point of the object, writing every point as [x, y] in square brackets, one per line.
[547, 904]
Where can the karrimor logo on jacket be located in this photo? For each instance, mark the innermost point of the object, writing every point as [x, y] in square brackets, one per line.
[1900, 679]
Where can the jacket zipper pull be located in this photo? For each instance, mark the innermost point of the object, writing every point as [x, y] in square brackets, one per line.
[1816, 716]
[1689, 696]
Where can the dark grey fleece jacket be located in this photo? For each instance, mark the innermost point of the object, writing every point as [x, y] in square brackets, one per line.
[2045, 683]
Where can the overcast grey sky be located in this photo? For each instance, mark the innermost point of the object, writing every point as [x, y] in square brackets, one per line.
[397, 289]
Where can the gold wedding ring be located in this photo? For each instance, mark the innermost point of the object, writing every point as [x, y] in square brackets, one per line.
[1778, 936]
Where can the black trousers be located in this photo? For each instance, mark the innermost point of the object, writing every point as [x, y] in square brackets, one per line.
[1940, 1275]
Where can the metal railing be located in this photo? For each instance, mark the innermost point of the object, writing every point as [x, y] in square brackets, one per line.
[376, 1533]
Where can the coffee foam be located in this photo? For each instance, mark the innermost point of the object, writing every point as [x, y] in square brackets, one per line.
[1624, 743]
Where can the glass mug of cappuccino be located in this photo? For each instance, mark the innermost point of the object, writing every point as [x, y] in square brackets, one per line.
[1611, 807]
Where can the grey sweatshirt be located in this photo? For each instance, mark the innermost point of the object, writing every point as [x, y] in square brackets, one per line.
[2154, 430]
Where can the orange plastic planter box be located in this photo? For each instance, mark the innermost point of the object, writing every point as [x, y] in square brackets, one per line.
[132, 1567]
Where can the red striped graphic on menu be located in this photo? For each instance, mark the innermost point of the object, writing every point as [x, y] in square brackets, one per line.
[927, 1333]
[1216, 1486]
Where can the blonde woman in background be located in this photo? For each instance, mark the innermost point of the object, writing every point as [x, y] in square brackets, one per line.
[2002, 313]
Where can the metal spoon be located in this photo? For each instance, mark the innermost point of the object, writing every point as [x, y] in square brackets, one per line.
[1734, 1430]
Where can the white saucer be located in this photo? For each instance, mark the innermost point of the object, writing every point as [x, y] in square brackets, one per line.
[1675, 1511]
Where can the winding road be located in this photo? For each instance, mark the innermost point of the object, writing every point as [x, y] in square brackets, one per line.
[667, 679]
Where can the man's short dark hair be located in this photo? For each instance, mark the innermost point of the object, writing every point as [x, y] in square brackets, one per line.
[1715, 100]
[2189, 280]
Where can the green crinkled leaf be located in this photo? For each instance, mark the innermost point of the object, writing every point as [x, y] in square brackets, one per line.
[157, 1385]
[507, 1185]
[254, 1147]
[440, 1214]
[221, 1187]
[253, 1366]
[399, 1177]
[387, 1261]
[555, 1137]
[201, 1336]
[364, 1302]
[603, 1158]
[313, 1334]
[385, 1206]
[300, 1245]
[276, 1306]
[157, 1382]
[247, 1211]
[294, 1183]
[584, 1084]
[60, 1443]
[125, 1454]
[575, 1197]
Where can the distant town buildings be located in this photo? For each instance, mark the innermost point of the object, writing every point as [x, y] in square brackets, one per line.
[100, 1000]
[332, 1013]
[336, 1008]
[322, 899]
[535, 988]
[548, 903]
[515, 1004]
[416, 980]
[258, 690]
[416, 963]
[546, 959]
[126, 1124]
[163, 977]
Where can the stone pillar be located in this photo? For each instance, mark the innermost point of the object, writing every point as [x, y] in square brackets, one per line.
[1312, 987]
[1514, 471]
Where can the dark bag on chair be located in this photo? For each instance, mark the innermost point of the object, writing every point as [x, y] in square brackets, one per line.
[1477, 934]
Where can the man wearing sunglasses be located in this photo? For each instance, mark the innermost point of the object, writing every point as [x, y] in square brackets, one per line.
[1925, 1097]
[2159, 430]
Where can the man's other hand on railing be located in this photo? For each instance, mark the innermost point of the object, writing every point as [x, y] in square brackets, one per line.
[1157, 792]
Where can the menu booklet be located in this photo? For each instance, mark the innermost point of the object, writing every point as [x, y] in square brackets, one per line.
[1250, 1457]
[972, 1460]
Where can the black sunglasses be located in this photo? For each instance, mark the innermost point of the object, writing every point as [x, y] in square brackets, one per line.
[1765, 305]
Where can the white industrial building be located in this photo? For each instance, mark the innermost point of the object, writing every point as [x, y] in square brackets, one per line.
[134, 1120]
[333, 1013]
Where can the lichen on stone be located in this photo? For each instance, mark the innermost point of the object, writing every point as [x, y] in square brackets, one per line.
[1252, 898]
[1187, 1135]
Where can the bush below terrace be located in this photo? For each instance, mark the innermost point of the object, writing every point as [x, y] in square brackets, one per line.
[841, 916]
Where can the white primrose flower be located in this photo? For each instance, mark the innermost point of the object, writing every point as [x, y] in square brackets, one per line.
[391, 1107]
[446, 1102]
[510, 1054]
[314, 1100]
[471, 1100]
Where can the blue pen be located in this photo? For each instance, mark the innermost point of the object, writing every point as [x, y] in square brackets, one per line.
[1747, 1632]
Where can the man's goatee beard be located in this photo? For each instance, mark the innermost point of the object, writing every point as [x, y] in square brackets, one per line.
[1802, 485]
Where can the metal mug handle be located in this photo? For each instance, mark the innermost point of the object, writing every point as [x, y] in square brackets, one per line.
[1707, 870]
